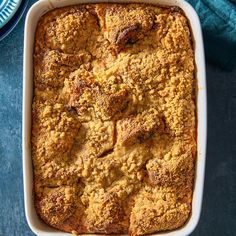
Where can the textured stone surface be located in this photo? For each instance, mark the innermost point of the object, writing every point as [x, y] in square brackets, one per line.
[219, 206]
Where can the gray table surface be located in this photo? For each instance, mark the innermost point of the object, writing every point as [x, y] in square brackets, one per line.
[219, 206]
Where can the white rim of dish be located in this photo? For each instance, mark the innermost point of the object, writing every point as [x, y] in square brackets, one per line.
[7, 10]
[41, 7]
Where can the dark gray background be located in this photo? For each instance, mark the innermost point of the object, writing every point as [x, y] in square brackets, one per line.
[219, 206]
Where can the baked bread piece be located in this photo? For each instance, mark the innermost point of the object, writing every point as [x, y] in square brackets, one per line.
[114, 126]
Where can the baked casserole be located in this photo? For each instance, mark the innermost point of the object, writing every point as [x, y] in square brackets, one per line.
[114, 124]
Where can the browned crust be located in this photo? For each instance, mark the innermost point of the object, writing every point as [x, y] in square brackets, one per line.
[114, 130]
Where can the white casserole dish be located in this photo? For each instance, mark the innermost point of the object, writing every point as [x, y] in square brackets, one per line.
[35, 12]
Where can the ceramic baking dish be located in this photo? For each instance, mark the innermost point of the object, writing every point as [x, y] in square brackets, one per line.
[35, 12]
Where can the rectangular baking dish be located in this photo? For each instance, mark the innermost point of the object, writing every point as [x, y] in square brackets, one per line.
[35, 12]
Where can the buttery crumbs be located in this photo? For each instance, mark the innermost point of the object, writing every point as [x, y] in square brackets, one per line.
[114, 126]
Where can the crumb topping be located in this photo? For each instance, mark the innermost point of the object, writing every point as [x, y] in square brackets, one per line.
[114, 126]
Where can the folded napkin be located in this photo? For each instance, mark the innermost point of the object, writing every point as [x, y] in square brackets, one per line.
[218, 20]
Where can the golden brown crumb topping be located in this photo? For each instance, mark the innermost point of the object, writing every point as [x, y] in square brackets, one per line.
[114, 129]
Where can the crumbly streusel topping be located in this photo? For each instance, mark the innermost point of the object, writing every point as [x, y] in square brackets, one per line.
[114, 129]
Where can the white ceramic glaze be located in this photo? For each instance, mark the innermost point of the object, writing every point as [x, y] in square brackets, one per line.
[35, 12]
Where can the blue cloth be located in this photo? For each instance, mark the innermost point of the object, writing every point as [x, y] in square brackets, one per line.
[218, 19]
